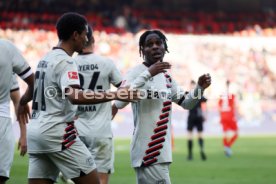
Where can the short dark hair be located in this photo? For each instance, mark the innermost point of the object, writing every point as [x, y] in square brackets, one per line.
[144, 36]
[68, 23]
[90, 36]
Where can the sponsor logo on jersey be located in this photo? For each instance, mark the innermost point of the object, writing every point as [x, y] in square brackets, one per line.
[73, 75]
[156, 94]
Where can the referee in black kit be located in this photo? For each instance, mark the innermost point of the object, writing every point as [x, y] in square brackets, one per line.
[195, 120]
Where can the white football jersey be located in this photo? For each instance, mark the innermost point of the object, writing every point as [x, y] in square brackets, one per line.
[151, 141]
[11, 61]
[51, 109]
[96, 73]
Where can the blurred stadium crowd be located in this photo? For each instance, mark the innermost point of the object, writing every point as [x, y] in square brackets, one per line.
[177, 16]
[248, 62]
[216, 37]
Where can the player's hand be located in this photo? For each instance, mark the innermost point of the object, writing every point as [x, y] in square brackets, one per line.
[22, 145]
[204, 81]
[114, 111]
[159, 67]
[23, 114]
[127, 95]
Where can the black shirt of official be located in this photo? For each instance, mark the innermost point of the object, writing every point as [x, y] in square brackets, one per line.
[196, 112]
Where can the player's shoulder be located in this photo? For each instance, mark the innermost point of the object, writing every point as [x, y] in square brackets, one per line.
[7, 45]
[92, 58]
[5, 42]
[103, 59]
[59, 59]
[136, 70]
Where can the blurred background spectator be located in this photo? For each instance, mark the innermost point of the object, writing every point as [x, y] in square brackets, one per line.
[229, 39]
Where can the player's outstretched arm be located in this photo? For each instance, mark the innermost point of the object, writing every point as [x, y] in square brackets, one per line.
[204, 81]
[80, 97]
[189, 100]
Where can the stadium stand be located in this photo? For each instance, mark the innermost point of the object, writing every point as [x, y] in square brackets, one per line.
[121, 16]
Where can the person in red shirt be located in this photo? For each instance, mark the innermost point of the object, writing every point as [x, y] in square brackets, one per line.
[227, 108]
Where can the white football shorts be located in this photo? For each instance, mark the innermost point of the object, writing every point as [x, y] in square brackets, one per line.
[7, 143]
[153, 174]
[102, 150]
[73, 162]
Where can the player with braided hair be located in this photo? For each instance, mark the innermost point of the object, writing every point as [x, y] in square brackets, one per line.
[151, 152]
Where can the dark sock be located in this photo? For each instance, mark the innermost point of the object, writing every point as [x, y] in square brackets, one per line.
[190, 146]
[201, 144]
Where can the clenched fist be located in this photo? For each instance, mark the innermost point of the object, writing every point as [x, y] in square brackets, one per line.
[204, 81]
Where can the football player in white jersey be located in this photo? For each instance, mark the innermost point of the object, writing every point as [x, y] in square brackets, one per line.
[94, 121]
[151, 152]
[53, 141]
[11, 61]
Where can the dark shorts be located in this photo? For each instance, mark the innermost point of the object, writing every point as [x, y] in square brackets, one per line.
[195, 123]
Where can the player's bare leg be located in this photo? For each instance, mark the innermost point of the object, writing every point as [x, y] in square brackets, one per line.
[41, 181]
[190, 145]
[227, 149]
[233, 138]
[104, 178]
[91, 178]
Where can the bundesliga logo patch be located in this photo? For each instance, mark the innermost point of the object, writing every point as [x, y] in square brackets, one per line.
[73, 75]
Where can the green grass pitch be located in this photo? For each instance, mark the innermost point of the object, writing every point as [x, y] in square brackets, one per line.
[253, 162]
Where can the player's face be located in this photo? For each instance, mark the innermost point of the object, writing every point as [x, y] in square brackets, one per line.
[154, 48]
[81, 40]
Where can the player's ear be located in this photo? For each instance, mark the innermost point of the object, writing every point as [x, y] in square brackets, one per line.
[75, 35]
[143, 53]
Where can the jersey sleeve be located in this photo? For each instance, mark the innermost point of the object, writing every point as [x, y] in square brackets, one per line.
[187, 100]
[67, 74]
[15, 85]
[115, 76]
[19, 64]
[203, 100]
[140, 80]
